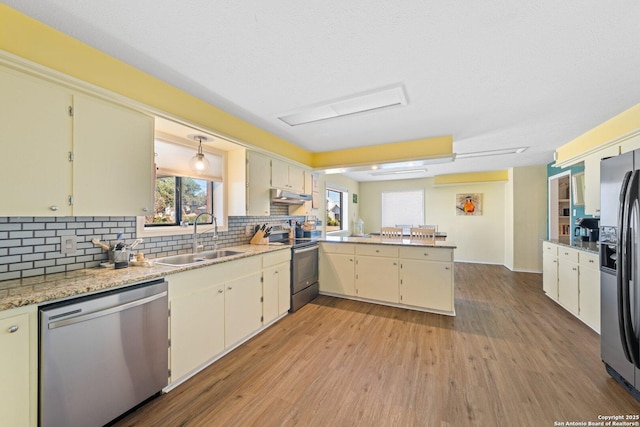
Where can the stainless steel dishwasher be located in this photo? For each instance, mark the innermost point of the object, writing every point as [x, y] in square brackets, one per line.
[102, 355]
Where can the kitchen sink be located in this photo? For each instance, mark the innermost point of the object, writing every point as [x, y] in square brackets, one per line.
[190, 259]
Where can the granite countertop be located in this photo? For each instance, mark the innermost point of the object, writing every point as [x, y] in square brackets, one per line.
[593, 247]
[60, 286]
[377, 240]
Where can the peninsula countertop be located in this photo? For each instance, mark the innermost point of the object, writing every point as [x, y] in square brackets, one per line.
[592, 247]
[59, 286]
[377, 240]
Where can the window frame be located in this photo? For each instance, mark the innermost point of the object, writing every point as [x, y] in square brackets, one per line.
[344, 200]
[178, 181]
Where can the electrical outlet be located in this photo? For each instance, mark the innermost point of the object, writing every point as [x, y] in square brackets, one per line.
[248, 230]
[68, 244]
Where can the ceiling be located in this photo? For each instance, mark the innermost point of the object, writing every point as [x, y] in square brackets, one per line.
[493, 75]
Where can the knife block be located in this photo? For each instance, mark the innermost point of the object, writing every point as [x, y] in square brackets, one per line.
[259, 239]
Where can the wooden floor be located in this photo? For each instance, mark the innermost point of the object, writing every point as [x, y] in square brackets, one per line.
[510, 357]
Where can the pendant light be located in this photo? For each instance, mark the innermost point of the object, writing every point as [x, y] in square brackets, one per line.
[199, 163]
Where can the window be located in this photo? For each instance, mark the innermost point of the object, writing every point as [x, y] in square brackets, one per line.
[180, 194]
[181, 199]
[402, 207]
[336, 210]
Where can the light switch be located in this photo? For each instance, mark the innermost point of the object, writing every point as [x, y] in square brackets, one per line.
[68, 245]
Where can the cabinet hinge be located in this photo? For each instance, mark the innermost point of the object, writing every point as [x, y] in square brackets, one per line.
[70, 200]
[400, 297]
[262, 318]
[261, 279]
[169, 312]
[70, 111]
[70, 156]
[261, 299]
[169, 372]
[169, 342]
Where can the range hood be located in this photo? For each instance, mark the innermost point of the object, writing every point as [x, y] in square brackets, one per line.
[288, 197]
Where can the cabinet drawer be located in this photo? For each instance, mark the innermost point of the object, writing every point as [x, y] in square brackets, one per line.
[429, 254]
[338, 248]
[549, 248]
[275, 258]
[377, 250]
[589, 260]
[568, 254]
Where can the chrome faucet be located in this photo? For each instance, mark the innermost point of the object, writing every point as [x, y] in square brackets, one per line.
[195, 231]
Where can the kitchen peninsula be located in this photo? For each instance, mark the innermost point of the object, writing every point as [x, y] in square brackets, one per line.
[396, 272]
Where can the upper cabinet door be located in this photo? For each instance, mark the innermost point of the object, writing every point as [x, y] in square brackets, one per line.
[35, 135]
[113, 167]
[279, 174]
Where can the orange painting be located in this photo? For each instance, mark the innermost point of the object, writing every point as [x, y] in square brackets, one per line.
[469, 204]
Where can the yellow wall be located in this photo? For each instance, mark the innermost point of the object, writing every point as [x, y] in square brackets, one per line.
[399, 151]
[613, 128]
[462, 178]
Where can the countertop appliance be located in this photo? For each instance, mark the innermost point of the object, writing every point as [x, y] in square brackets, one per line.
[103, 354]
[587, 229]
[304, 265]
[620, 268]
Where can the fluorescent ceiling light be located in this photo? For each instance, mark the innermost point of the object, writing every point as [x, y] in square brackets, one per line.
[398, 172]
[490, 153]
[385, 98]
[413, 164]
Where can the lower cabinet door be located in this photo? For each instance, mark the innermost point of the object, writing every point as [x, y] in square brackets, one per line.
[550, 275]
[590, 297]
[270, 291]
[427, 284]
[284, 288]
[337, 274]
[242, 308]
[14, 371]
[197, 329]
[377, 278]
[568, 285]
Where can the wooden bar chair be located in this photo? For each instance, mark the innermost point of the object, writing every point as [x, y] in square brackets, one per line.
[391, 233]
[423, 235]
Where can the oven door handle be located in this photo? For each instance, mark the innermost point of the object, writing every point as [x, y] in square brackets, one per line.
[303, 250]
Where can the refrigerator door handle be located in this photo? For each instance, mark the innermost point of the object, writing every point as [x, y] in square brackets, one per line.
[622, 264]
[631, 213]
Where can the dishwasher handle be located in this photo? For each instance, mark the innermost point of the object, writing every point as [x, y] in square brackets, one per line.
[106, 312]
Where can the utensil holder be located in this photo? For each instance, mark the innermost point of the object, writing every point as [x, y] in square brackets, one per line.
[121, 258]
[259, 239]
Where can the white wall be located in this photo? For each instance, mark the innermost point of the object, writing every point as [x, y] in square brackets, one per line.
[479, 238]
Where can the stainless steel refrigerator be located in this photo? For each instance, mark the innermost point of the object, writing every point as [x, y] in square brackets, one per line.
[620, 268]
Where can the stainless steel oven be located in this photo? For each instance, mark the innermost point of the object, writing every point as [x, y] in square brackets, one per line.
[304, 264]
[304, 273]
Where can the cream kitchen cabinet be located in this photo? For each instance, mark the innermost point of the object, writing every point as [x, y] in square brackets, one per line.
[426, 278]
[550, 270]
[70, 153]
[197, 325]
[377, 272]
[276, 285]
[592, 179]
[113, 159]
[337, 268]
[589, 297]
[212, 309]
[35, 171]
[242, 307]
[287, 176]
[19, 366]
[258, 188]
[572, 278]
[568, 288]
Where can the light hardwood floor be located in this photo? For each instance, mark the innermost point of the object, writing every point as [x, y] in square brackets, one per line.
[511, 357]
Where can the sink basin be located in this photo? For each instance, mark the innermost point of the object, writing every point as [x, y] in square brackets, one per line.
[217, 254]
[190, 259]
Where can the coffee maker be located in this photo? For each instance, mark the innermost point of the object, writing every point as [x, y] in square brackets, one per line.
[587, 229]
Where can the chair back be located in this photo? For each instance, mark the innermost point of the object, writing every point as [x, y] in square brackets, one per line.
[405, 227]
[391, 233]
[429, 226]
[423, 235]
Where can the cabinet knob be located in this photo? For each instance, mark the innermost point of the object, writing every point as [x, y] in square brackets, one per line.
[145, 209]
[377, 250]
[54, 208]
[591, 261]
[13, 329]
[220, 291]
[426, 254]
[229, 287]
[447, 268]
[575, 269]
